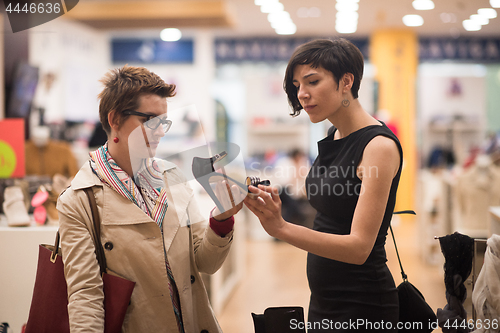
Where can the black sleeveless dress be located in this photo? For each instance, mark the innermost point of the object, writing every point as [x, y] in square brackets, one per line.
[347, 297]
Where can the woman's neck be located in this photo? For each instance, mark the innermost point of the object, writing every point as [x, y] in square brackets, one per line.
[121, 157]
[350, 119]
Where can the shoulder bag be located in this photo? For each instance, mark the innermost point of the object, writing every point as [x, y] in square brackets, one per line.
[415, 315]
[49, 304]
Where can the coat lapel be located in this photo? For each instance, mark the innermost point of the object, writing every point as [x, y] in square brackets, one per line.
[178, 198]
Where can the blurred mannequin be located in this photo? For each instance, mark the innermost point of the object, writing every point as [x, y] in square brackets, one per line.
[478, 188]
[46, 157]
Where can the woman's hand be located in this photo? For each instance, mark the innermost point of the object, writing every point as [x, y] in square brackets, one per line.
[231, 199]
[265, 203]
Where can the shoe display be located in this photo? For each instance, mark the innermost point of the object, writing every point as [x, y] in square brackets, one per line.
[14, 207]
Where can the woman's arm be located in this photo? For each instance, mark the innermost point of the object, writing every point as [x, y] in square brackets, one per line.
[381, 161]
[85, 293]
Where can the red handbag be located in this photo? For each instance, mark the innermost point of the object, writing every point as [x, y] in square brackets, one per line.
[49, 304]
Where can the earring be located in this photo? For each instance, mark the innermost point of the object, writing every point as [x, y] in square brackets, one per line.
[115, 140]
[346, 102]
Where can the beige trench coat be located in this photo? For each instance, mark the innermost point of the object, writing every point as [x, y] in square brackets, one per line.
[134, 250]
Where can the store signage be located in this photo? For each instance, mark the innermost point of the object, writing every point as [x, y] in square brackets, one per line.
[12, 148]
[265, 49]
[280, 49]
[467, 49]
[151, 51]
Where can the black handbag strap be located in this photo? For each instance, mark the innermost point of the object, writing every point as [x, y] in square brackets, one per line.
[403, 274]
[99, 250]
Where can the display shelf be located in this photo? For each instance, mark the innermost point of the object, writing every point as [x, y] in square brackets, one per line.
[494, 221]
[19, 248]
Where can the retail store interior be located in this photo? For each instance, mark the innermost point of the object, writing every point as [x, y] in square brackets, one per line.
[436, 82]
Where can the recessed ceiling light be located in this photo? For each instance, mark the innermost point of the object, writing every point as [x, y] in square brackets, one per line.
[470, 25]
[270, 7]
[261, 2]
[413, 20]
[423, 4]
[347, 6]
[489, 13]
[170, 35]
[279, 17]
[346, 29]
[303, 12]
[495, 3]
[286, 29]
[314, 12]
[347, 16]
[479, 19]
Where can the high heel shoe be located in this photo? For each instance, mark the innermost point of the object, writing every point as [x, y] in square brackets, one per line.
[204, 172]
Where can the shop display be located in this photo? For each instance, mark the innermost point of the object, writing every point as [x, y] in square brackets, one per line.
[486, 294]
[40, 213]
[458, 251]
[14, 207]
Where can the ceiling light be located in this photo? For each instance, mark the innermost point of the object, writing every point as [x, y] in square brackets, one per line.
[479, 19]
[345, 29]
[303, 12]
[261, 2]
[347, 6]
[279, 17]
[445, 17]
[423, 4]
[314, 12]
[495, 3]
[287, 29]
[489, 13]
[470, 25]
[270, 7]
[350, 16]
[170, 35]
[413, 20]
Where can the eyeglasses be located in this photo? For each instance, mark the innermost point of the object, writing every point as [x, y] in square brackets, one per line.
[152, 122]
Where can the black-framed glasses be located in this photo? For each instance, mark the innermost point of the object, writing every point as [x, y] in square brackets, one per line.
[152, 122]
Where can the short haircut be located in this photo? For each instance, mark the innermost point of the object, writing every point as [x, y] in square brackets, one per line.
[338, 56]
[122, 89]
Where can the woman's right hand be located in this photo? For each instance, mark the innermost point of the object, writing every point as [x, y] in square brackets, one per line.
[265, 203]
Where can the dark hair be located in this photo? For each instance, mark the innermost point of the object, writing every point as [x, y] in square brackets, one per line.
[122, 89]
[339, 56]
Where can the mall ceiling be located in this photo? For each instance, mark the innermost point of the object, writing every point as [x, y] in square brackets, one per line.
[244, 18]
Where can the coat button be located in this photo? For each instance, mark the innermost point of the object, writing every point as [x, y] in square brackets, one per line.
[108, 246]
[192, 279]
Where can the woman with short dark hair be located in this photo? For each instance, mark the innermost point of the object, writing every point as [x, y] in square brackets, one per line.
[352, 185]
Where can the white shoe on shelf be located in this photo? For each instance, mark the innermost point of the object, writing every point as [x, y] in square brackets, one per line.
[14, 208]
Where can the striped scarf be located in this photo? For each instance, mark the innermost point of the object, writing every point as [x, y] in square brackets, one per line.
[146, 189]
[148, 192]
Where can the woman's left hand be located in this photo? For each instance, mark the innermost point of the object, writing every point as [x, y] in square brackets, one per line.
[231, 199]
[265, 203]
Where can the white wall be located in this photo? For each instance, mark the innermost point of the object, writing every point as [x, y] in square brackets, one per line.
[193, 80]
[447, 90]
[78, 56]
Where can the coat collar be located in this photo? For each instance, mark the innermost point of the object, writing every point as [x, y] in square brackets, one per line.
[118, 210]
